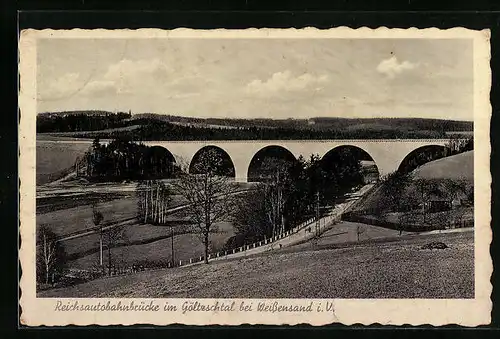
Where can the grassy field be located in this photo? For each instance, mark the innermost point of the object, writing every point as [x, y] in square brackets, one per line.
[399, 269]
[460, 166]
[69, 220]
[53, 159]
[347, 232]
[143, 242]
[150, 244]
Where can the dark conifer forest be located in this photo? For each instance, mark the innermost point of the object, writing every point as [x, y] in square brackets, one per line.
[107, 125]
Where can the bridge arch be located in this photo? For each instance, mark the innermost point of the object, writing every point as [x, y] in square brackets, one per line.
[224, 168]
[422, 155]
[160, 161]
[369, 169]
[254, 172]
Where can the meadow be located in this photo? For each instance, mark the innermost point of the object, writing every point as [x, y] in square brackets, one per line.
[396, 269]
[54, 160]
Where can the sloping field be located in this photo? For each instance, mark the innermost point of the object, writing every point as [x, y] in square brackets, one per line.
[150, 245]
[53, 159]
[398, 269]
[460, 166]
[347, 232]
[66, 221]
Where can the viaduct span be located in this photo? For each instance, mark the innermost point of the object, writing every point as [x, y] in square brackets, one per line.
[387, 154]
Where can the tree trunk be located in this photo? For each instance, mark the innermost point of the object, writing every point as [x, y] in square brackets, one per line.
[157, 217]
[172, 244]
[47, 272]
[146, 203]
[205, 243]
[100, 247]
[109, 252]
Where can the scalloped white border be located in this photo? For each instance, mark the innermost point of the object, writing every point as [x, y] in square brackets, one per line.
[465, 312]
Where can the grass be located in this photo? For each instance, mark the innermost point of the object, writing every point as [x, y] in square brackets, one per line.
[69, 220]
[152, 244]
[66, 207]
[54, 159]
[460, 166]
[347, 232]
[399, 269]
[149, 239]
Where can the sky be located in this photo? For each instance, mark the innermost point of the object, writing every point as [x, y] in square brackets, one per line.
[259, 78]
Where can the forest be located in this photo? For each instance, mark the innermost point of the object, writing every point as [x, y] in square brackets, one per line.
[125, 160]
[291, 192]
[80, 121]
[166, 127]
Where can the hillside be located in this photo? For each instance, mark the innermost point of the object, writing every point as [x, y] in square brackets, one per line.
[152, 126]
[459, 166]
[396, 269]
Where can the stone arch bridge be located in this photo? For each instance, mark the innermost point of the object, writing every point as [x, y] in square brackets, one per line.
[387, 154]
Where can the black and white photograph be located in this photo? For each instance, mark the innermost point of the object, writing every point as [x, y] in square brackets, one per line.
[257, 168]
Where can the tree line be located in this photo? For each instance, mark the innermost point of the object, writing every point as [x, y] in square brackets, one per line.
[160, 130]
[122, 159]
[80, 121]
[412, 203]
[291, 192]
[90, 124]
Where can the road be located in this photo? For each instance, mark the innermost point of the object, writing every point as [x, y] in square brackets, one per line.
[300, 234]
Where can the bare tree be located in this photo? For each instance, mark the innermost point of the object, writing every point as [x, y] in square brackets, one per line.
[114, 236]
[359, 230]
[276, 176]
[250, 216]
[153, 198]
[426, 188]
[210, 196]
[50, 255]
[97, 218]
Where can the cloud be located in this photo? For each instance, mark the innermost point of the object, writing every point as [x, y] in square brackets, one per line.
[123, 77]
[285, 81]
[129, 76]
[62, 87]
[131, 69]
[99, 87]
[391, 67]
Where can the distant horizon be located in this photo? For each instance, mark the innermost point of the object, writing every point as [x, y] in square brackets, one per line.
[250, 118]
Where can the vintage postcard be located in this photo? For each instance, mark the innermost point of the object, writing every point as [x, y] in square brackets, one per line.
[258, 176]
